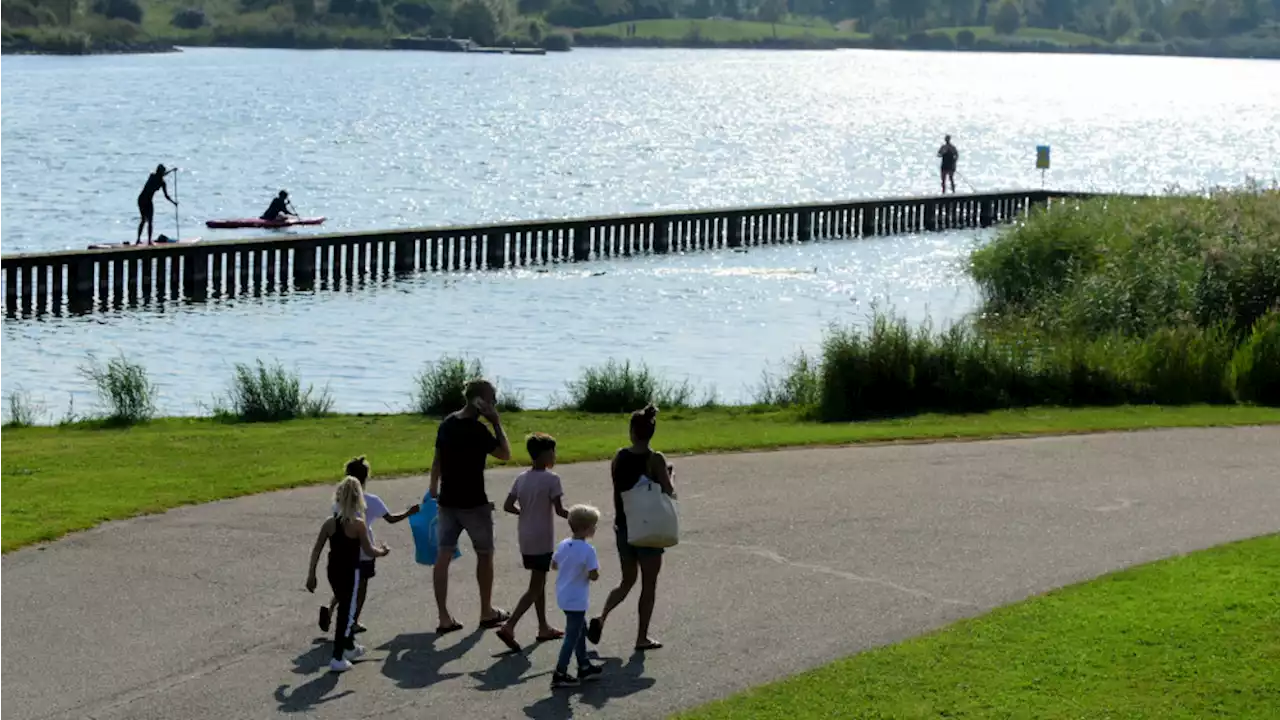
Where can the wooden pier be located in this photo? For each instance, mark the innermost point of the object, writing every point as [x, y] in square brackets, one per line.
[81, 281]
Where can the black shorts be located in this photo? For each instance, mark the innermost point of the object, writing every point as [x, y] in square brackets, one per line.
[537, 563]
[948, 169]
[367, 570]
[146, 208]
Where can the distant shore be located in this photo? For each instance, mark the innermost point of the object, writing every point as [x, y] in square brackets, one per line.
[797, 39]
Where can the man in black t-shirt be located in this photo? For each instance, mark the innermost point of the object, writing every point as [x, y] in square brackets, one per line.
[463, 444]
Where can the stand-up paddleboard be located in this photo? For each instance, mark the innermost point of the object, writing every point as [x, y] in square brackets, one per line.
[260, 223]
[162, 240]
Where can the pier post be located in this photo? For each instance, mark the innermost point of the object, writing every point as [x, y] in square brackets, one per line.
[80, 285]
[404, 256]
[11, 289]
[195, 275]
[581, 242]
[495, 250]
[986, 213]
[661, 236]
[304, 266]
[804, 232]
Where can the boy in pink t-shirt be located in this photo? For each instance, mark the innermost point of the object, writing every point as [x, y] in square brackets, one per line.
[535, 495]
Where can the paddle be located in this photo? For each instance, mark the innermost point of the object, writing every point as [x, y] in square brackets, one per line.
[177, 223]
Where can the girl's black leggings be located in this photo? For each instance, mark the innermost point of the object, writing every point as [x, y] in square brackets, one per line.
[345, 583]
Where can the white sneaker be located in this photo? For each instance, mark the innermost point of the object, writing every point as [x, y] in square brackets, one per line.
[355, 653]
[338, 666]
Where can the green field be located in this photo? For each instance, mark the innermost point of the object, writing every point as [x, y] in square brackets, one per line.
[1196, 636]
[716, 30]
[61, 479]
[1062, 37]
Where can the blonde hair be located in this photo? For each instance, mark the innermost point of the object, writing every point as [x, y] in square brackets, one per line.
[583, 517]
[349, 497]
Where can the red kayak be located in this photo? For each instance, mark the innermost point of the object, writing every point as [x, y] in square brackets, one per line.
[260, 223]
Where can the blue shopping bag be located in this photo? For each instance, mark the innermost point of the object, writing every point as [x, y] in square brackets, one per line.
[425, 539]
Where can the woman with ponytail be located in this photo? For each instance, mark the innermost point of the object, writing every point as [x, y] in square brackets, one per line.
[629, 465]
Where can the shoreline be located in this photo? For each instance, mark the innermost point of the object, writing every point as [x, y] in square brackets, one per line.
[1196, 49]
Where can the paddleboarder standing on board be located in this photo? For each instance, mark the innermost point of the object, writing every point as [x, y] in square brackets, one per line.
[950, 156]
[278, 207]
[155, 181]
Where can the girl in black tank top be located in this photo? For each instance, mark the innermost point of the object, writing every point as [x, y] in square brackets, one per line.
[628, 467]
[346, 534]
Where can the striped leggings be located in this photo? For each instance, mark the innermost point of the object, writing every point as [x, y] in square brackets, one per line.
[346, 584]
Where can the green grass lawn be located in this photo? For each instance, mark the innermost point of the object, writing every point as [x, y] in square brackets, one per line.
[61, 479]
[1062, 37]
[1196, 636]
[717, 30]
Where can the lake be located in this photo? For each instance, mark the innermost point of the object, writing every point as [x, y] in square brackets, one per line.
[395, 139]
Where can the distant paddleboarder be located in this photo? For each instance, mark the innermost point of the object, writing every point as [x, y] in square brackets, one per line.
[146, 208]
[279, 207]
[950, 156]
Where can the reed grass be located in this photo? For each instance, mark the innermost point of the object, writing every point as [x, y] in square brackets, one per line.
[621, 387]
[271, 393]
[126, 394]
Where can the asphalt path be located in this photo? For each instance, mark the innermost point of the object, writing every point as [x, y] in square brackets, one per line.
[787, 560]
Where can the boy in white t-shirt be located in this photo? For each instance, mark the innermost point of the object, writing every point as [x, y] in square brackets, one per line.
[358, 468]
[577, 567]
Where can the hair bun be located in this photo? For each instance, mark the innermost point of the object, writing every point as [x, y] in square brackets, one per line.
[651, 411]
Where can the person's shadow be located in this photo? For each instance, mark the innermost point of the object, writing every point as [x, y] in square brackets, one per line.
[307, 696]
[413, 661]
[617, 681]
[507, 672]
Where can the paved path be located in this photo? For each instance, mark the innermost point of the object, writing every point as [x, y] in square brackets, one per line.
[788, 559]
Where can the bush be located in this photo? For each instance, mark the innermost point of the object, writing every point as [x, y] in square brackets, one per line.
[557, 42]
[615, 388]
[189, 19]
[1008, 18]
[260, 393]
[965, 39]
[1149, 36]
[1255, 369]
[439, 386]
[119, 9]
[1179, 366]
[413, 14]
[885, 32]
[799, 386]
[123, 389]
[476, 20]
[23, 411]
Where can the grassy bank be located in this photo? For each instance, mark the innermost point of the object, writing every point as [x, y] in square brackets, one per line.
[1190, 637]
[61, 479]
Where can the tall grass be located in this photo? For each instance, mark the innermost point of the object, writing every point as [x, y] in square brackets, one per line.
[893, 369]
[23, 410]
[1135, 266]
[125, 392]
[621, 387]
[1255, 369]
[439, 385]
[262, 393]
[799, 385]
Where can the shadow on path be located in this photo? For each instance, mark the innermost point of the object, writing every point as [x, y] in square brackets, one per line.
[414, 662]
[617, 681]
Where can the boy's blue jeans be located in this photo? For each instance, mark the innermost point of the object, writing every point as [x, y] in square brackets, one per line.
[575, 640]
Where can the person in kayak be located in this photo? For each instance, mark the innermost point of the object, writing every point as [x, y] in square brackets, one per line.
[279, 208]
[950, 156]
[147, 208]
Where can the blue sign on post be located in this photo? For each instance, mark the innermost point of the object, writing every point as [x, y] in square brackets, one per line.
[1042, 157]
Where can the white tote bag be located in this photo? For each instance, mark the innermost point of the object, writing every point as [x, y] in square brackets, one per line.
[653, 518]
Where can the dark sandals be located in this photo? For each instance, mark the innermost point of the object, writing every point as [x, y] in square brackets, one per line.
[446, 629]
[651, 645]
